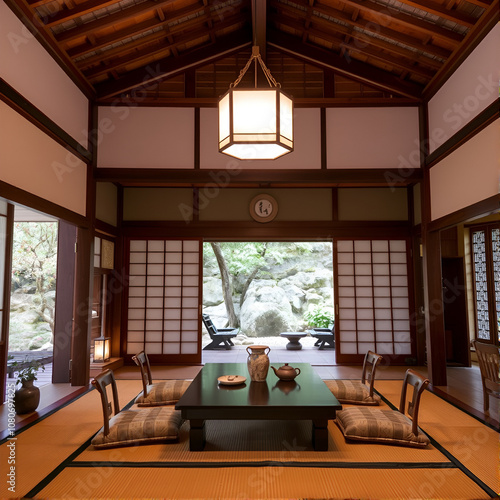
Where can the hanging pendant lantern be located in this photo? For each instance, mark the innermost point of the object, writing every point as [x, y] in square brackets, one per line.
[256, 124]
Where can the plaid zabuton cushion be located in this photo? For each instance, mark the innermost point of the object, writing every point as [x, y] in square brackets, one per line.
[352, 392]
[163, 393]
[380, 426]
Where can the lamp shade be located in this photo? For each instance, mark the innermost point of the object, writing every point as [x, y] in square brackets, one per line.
[255, 124]
[101, 349]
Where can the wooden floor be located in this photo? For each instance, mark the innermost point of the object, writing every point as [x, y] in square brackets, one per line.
[464, 384]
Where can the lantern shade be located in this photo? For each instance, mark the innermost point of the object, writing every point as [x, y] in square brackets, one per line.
[101, 349]
[255, 124]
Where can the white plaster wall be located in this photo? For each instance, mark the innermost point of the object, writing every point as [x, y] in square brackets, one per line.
[468, 175]
[473, 86]
[26, 66]
[32, 161]
[145, 137]
[372, 137]
[307, 144]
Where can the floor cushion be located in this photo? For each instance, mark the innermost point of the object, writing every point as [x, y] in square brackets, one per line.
[352, 392]
[163, 393]
[148, 425]
[380, 426]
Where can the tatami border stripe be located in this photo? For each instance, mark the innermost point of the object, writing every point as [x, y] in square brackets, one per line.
[266, 463]
[450, 456]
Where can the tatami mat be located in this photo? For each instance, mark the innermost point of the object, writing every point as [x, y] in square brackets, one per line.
[262, 482]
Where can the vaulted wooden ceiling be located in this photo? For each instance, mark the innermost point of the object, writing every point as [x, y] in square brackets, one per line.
[186, 50]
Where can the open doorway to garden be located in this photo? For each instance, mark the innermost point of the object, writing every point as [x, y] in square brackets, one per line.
[263, 291]
[33, 291]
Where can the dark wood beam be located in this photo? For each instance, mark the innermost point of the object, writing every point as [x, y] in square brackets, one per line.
[440, 10]
[478, 123]
[257, 177]
[353, 69]
[259, 23]
[35, 25]
[365, 25]
[486, 23]
[385, 13]
[168, 67]
[19, 103]
[79, 10]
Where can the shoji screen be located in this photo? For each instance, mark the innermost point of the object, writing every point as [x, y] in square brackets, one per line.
[373, 299]
[163, 299]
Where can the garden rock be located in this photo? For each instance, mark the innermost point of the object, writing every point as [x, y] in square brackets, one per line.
[212, 291]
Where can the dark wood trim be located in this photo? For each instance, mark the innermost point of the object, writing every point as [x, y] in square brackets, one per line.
[298, 102]
[105, 228]
[63, 320]
[80, 348]
[22, 197]
[6, 284]
[26, 109]
[324, 145]
[197, 135]
[482, 208]
[488, 20]
[481, 121]
[335, 205]
[239, 177]
[272, 231]
[35, 25]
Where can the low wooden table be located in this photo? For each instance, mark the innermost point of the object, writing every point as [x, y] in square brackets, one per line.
[205, 400]
[293, 340]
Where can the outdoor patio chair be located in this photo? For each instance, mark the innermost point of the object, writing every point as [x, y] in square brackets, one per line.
[359, 423]
[358, 391]
[221, 337]
[488, 357]
[132, 427]
[325, 337]
[162, 393]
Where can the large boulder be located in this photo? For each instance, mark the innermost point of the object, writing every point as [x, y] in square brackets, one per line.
[295, 296]
[316, 279]
[212, 291]
[266, 312]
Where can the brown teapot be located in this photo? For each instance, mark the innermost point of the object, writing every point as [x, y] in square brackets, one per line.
[286, 372]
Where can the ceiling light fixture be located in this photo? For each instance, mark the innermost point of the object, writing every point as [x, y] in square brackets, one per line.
[255, 124]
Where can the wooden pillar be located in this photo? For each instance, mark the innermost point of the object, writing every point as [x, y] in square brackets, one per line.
[433, 292]
[80, 349]
[63, 319]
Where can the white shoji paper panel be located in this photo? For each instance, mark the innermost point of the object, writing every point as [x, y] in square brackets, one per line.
[373, 297]
[163, 296]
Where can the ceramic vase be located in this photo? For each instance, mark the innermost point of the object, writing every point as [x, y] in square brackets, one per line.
[26, 398]
[258, 362]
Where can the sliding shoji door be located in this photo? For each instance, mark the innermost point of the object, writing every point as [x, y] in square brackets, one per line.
[164, 293]
[373, 299]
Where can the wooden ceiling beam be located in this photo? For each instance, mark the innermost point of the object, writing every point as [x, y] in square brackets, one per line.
[364, 46]
[387, 14]
[169, 67]
[111, 19]
[440, 10]
[80, 9]
[365, 25]
[489, 19]
[355, 70]
[259, 23]
[150, 24]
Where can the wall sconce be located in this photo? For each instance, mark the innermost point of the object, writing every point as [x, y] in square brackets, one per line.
[102, 348]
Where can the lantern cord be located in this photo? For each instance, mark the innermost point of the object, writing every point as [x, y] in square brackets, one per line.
[267, 73]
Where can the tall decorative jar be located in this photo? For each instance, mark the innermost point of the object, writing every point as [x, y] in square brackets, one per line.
[258, 362]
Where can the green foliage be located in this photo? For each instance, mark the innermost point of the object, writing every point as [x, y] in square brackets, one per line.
[30, 371]
[319, 317]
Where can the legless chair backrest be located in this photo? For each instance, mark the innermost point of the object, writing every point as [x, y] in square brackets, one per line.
[101, 381]
[369, 368]
[489, 359]
[141, 359]
[419, 384]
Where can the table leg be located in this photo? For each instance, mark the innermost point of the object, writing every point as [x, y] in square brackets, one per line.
[196, 435]
[320, 435]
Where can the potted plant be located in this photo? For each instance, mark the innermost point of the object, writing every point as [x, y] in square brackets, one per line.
[27, 397]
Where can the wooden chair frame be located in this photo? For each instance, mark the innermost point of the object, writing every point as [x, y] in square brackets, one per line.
[419, 384]
[489, 359]
[218, 335]
[101, 382]
[370, 363]
[141, 359]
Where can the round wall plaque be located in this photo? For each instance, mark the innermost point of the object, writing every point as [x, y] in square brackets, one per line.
[263, 208]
